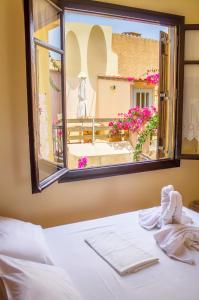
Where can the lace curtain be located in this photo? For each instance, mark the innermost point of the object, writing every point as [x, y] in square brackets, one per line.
[191, 87]
[191, 103]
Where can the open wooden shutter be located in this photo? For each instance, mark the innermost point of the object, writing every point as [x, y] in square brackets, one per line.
[190, 133]
[163, 99]
[44, 23]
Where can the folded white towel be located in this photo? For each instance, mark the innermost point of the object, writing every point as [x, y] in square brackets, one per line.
[176, 240]
[120, 253]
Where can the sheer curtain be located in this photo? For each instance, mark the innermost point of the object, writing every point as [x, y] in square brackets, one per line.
[191, 86]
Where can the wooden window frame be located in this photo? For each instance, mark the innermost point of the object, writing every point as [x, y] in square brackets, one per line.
[122, 12]
[31, 42]
[191, 62]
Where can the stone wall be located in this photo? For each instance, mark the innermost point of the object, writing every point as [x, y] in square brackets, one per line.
[135, 54]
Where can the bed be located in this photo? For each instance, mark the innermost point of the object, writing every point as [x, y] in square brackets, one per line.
[96, 280]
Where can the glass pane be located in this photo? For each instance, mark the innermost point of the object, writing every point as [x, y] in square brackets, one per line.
[143, 99]
[147, 99]
[49, 107]
[138, 99]
[191, 45]
[110, 66]
[46, 22]
[190, 144]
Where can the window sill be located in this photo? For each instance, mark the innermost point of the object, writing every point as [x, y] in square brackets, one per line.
[115, 170]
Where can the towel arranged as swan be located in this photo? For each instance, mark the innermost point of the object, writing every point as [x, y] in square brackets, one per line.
[169, 212]
[176, 235]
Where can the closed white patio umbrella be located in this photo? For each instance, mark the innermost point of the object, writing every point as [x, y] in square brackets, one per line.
[82, 105]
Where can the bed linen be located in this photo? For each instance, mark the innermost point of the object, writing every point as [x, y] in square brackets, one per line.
[96, 280]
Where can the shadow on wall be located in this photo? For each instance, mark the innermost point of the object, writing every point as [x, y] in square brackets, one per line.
[96, 55]
[73, 60]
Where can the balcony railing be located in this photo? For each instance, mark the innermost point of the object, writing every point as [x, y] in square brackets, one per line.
[87, 130]
[92, 130]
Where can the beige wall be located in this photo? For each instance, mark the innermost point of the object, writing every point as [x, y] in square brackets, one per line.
[78, 200]
[136, 55]
[116, 96]
[113, 97]
[83, 41]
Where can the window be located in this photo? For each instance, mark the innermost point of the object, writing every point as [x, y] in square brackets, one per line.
[190, 136]
[143, 97]
[104, 90]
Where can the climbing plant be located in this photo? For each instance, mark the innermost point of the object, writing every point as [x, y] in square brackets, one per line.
[147, 132]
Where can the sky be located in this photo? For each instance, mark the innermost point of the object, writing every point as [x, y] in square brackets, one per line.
[118, 26]
[148, 31]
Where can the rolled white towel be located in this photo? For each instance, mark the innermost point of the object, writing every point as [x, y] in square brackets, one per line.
[173, 212]
[165, 201]
[152, 218]
[169, 212]
[165, 197]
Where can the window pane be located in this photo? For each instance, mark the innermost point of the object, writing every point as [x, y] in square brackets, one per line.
[46, 22]
[138, 99]
[143, 99]
[49, 107]
[191, 45]
[112, 66]
[147, 99]
[190, 143]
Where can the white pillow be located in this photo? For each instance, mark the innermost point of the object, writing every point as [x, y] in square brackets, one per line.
[27, 280]
[23, 240]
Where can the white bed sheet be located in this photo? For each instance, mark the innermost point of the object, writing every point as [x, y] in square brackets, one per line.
[96, 280]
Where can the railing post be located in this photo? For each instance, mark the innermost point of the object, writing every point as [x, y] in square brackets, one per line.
[82, 133]
[93, 131]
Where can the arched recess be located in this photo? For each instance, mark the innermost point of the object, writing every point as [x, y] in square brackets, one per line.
[73, 60]
[96, 55]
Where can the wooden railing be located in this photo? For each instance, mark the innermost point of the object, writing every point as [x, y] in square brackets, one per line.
[87, 130]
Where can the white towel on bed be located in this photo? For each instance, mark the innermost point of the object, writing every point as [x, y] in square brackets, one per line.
[165, 192]
[120, 253]
[173, 212]
[177, 240]
[169, 212]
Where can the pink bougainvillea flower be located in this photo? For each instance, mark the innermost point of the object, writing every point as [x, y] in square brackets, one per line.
[82, 162]
[131, 78]
[153, 108]
[119, 125]
[134, 120]
[153, 78]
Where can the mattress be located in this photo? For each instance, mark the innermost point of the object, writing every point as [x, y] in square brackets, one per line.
[96, 280]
